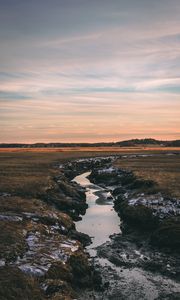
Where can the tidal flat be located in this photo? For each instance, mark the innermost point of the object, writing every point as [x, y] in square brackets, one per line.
[43, 256]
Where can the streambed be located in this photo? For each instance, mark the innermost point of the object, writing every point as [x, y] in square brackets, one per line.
[121, 262]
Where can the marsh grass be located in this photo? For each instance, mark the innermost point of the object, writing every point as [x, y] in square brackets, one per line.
[163, 169]
[29, 173]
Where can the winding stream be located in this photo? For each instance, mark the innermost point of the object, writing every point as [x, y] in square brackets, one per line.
[100, 220]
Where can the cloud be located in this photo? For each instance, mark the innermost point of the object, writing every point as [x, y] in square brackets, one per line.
[111, 65]
[13, 96]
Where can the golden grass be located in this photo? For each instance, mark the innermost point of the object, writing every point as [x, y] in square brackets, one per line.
[163, 169]
[28, 172]
[92, 149]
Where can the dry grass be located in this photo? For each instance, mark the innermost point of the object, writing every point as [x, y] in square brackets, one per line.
[15, 285]
[163, 169]
[116, 149]
[28, 172]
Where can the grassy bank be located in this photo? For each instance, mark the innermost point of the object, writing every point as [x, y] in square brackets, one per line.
[163, 169]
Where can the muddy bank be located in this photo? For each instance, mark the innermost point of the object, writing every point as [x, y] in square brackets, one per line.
[142, 205]
[143, 262]
[41, 252]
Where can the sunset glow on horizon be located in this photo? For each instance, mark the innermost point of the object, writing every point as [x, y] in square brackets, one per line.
[89, 71]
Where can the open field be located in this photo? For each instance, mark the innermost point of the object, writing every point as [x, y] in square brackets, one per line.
[136, 149]
[29, 171]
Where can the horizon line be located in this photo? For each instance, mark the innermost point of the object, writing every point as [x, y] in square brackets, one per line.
[91, 143]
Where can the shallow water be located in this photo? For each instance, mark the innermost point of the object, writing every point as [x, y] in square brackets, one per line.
[100, 220]
[124, 281]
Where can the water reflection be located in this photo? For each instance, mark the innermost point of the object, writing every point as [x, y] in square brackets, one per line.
[100, 220]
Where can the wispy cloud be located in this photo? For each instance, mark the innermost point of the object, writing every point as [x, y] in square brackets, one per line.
[111, 65]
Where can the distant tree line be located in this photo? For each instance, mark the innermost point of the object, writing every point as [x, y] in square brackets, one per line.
[128, 143]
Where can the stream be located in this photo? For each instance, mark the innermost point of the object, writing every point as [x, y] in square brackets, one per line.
[100, 220]
[116, 257]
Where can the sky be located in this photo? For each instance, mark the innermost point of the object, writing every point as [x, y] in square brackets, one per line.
[89, 70]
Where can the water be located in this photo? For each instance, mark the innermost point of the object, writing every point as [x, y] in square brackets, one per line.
[125, 282]
[100, 220]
